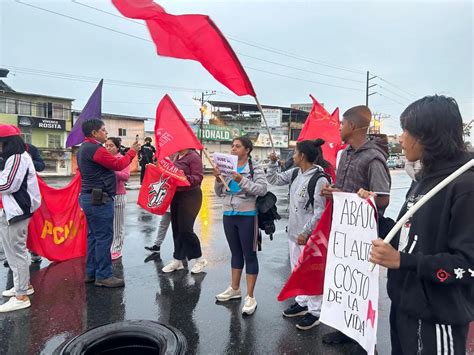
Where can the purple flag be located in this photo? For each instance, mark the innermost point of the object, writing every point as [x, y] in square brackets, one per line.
[93, 109]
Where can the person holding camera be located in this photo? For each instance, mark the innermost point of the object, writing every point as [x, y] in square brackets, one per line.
[98, 190]
[240, 220]
[303, 215]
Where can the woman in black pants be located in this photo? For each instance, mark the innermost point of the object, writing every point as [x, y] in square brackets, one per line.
[240, 221]
[185, 207]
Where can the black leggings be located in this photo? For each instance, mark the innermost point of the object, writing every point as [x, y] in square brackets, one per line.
[241, 233]
[185, 207]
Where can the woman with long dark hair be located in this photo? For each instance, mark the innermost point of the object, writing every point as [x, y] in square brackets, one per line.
[20, 197]
[113, 146]
[240, 221]
[304, 213]
[185, 207]
[431, 260]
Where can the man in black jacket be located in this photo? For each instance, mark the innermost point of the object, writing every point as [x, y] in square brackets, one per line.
[146, 155]
[431, 262]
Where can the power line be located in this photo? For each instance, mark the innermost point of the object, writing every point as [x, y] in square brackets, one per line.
[280, 52]
[391, 99]
[84, 78]
[392, 92]
[300, 69]
[80, 20]
[300, 79]
[246, 42]
[397, 87]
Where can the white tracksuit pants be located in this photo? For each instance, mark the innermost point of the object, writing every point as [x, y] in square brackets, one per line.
[312, 302]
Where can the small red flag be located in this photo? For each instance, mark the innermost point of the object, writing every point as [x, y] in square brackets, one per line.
[307, 278]
[172, 132]
[320, 124]
[194, 37]
[58, 228]
[158, 187]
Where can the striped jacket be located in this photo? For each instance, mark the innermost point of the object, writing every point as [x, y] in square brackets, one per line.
[19, 188]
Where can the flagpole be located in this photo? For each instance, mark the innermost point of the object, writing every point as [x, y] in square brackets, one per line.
[423, 200]
[213, 165]
[265, 121]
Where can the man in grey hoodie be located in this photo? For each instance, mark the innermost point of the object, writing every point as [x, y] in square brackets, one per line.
[362, 165]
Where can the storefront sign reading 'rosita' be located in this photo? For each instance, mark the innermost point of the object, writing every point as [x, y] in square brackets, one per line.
[38, 122]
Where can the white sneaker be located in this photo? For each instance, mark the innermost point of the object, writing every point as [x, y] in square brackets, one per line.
[249, 306]
[228, 294]
[173, 265]
[14, 304]
[11, 292]
[199, 266]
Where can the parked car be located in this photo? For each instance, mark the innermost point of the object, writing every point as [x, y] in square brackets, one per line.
[400, 162]
[391, 163]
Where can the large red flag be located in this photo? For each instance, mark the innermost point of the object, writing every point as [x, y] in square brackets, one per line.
[321, 124]
[194, 37]
[307, 278]
[58, 229]
[172, 132]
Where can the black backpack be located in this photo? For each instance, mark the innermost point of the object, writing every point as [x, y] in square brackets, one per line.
[266, 210]
[311, 184]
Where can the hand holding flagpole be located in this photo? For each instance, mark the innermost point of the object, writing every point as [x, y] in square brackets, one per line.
[214, 166]
[423, 200]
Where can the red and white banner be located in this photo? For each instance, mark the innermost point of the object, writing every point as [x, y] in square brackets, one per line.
[159, 185]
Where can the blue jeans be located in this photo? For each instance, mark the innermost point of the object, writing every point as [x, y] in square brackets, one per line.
[100, 233]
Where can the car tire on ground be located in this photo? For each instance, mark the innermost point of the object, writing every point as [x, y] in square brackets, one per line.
[132, 336]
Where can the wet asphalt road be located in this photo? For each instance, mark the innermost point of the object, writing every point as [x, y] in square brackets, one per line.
[63, 306]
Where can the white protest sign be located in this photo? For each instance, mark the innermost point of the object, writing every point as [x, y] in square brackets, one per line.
[227, 163]
[351, 291]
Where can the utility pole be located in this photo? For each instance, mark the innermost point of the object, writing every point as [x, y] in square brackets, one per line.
[204, 97]
[367, 87]
[377, 120]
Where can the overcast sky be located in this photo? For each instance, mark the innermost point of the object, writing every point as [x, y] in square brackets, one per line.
[417, 47]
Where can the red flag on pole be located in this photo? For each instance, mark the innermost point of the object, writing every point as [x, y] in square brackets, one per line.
[172, 132]
[194, 37]
[320, 124]
[307, 278]
[58, 229]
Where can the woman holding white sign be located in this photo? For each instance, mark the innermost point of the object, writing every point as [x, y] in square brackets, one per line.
[306, 207]
[431, 260]
[240, 220]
